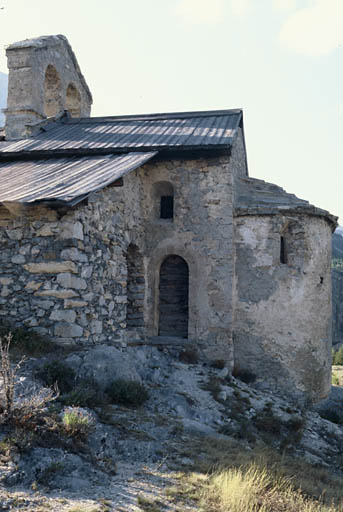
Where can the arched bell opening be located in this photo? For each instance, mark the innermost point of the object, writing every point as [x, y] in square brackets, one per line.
[52, 92]
[73, 101]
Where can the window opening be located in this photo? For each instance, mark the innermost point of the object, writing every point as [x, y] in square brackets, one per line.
[283, 255]
[167, 207]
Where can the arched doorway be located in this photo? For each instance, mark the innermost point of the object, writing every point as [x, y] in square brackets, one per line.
[173, 305]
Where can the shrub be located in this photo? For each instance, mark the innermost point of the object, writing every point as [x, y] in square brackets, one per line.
[86, 393]
[77, 422]
[331, 415]
[213, 386]
[243, 375]
[57, 372]
[268, 423]
[127, 392]
[219, 364]
[296, 423]
[26, 341]
[189, 356]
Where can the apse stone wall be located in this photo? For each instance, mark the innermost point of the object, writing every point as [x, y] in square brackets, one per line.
[283, 310]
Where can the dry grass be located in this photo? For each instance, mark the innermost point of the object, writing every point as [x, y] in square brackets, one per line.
[226, 477]
[337, 375]
[253, 489]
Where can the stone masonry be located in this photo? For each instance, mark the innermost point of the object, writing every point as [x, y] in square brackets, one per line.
[256, 260]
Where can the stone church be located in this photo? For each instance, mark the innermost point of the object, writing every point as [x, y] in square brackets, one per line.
[148, 229]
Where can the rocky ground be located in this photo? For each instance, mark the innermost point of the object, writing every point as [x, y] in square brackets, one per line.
[133, 457]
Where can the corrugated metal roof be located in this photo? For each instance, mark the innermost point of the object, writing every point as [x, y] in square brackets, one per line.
[134, 133]
[68, 180]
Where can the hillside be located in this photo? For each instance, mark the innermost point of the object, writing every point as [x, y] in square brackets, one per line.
[152, 445]
[3, 96]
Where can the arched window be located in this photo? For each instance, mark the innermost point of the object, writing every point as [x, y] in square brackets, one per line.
[52, 92]
[283, 250]
[164, 200]
[173, 292]
[73, 101]
[135, 288]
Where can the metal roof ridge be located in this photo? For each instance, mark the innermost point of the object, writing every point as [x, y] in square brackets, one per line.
[154, 116]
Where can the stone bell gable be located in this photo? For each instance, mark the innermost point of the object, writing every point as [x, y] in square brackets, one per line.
[44, 80]
[147, 229]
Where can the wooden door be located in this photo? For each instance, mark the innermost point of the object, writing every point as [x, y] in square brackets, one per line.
[173, 306]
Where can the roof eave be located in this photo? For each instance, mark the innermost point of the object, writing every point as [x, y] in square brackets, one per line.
[163, 152]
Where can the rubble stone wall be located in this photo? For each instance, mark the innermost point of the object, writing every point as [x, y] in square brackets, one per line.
[66, 274]
[66, 277]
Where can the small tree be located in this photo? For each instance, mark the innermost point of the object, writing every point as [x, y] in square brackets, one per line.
[24, 409]
[8, 374]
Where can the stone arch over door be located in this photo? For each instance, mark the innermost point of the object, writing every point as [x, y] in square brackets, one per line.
[52, 92]
[135, 288]
[173, 297]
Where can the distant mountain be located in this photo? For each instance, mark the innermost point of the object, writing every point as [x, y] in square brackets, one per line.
[3, 96]
[337, 286]
[337, 243]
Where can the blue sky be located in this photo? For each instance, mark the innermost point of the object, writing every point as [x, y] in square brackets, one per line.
[279, 60]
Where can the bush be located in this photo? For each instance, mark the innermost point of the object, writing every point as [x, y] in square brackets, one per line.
[189, 356]
[331, 415]
[243, 375]
[77, 422]
[127, 392]
[26, 341]
[57, 372]
[86, 393]
[219, 364]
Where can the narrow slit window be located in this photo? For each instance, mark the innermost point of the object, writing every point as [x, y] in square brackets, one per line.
[167, 207]
[283, 254]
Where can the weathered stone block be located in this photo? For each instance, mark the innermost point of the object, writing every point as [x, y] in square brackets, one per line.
[96, 327]
[63, 316]
[59, 294]
[72, 230]
[33, 285]
[68, 281]
[6, 280]
[74, 254]
[45, 304]
[44, 231]
[14, 234]
[53, 267]
[66, 330]
[75, 303]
